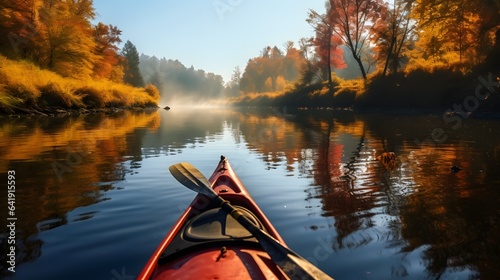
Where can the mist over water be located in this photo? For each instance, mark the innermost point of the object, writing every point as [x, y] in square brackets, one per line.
[180, 85]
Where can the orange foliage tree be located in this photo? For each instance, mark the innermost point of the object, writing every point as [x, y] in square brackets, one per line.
[392, 35]
[64, 40]
[326, 44]
[294, 61]
[106, 38]
[58, 35]
[455, 32]
[272, 70]
[18, 27]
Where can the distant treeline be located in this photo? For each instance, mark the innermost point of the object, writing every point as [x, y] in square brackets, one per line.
[178, 82]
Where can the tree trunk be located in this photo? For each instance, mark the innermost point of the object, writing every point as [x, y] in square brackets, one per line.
[353, 49]
[329, 64]
[361, 66]
[389, 55]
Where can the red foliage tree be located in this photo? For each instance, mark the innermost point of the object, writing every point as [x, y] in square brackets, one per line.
[352, 21]
[326, 44]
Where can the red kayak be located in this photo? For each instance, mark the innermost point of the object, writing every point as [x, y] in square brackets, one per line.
[208, 243]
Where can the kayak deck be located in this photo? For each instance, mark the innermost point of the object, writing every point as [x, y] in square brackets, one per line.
[207, 243]
[235, 263]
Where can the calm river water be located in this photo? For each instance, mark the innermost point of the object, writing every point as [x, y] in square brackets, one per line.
[93, 195]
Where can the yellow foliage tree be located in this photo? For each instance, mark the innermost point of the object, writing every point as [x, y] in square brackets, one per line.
[65, 42]
[268, 84]
[280, 83]
[262, 74]
[58, 35]
[450, 34]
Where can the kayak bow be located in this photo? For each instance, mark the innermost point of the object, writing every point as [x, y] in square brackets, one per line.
[223, 234]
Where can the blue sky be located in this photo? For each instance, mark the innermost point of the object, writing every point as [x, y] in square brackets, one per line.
[213, 35]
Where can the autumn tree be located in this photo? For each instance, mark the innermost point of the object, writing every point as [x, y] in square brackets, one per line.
[491, 64]
[64, 41]
[352, 21]
[106, 65]
[272, 70]
[17, 27]
[326, 43]
[132, 75]
[58, 35]
[55, 34]
[455, 32]
[309, 74]
[392, 34]
[294, 60]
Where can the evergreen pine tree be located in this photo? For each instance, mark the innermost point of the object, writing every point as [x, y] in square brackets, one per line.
[132, 75]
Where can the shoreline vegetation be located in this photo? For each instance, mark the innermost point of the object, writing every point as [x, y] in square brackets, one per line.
[55, 59]
[417, 55]
[372, 55]
[27, 89]
[419, 90]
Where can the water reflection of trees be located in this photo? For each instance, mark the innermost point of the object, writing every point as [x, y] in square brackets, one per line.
[453, 216]
[310, 142]
[456, 215]
[347, 193]
[93, 148]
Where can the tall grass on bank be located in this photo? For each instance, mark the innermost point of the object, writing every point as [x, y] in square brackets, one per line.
[25, 87]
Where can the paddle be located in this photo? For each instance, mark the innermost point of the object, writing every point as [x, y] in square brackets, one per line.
[290, 262]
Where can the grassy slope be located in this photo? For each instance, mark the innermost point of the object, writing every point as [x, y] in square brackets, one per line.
[314, 95]
[26, 88]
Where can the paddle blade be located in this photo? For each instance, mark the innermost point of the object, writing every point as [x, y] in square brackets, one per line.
[307, 270]
[290, 262]
[192, 178]
[294, 266]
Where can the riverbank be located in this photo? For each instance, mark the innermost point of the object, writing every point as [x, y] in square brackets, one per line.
[58, 112]
[28, 90]
[418, 90]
